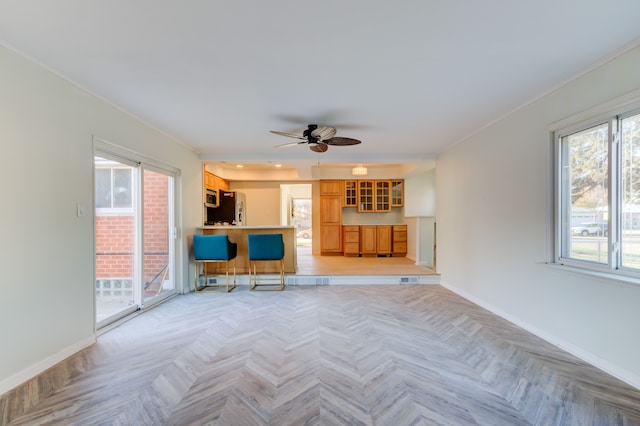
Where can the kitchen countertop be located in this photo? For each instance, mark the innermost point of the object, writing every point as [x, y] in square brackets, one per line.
[238, 234]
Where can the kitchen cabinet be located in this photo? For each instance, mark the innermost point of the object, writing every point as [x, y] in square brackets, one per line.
[374, 196]
[368, 240]
[330, 210]
[331, 187]
[212, 181]
[383, 196]
[365, 196]
[351, 239]
[383, 240]
[209, 180]
[330, 217]
[350, 196]
[397, 193]
[330, 239]
[399, 243]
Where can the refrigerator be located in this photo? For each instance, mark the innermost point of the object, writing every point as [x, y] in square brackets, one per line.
[230, 211]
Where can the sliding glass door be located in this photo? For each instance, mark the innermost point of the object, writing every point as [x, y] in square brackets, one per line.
[135, 238]
[158, 236]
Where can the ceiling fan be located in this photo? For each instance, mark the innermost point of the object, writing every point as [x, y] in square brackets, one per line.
[318, 138]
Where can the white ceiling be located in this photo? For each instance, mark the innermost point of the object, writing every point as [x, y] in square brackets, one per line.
[408, 78]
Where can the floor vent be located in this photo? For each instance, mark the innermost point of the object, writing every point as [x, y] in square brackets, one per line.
[209, 281]
[308, 280]
[408, 280]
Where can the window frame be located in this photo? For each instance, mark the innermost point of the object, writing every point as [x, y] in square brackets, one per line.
[105, 211]
[611, 113]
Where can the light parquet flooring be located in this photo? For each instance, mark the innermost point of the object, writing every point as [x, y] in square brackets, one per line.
[327, 355]
[309, 264]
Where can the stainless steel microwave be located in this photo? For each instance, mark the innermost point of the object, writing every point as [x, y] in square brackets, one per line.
[211, 197]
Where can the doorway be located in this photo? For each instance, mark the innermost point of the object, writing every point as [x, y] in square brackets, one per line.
[297, 211]
[134, 235]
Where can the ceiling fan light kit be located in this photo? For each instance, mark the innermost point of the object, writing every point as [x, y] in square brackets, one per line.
[318, 138]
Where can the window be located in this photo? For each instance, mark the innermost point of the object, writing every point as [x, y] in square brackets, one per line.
[113, 186]
[598, 194]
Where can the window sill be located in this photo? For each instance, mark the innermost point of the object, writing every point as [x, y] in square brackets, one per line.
[608, 276]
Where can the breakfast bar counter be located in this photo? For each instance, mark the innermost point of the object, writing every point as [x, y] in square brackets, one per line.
[238, 235]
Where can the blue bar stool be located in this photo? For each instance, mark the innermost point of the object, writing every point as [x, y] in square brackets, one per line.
[214, 249]
[265, 247]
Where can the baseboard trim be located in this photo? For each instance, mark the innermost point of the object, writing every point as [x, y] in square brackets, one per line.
[39, 367]
[602, 364]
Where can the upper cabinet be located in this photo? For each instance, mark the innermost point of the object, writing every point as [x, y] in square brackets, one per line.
[212, 181]
[397, 193]
[350, 197]
[379, 195]
[365, 196]
[331, 187]
[383, 196]
[209, 180]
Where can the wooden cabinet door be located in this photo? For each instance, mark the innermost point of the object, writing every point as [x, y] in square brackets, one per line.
[350, 193]
[330, 224]
[382, 196]
[331, 210]
[365, 196]
[209, 180]
[368, 240]
[383, 239]
[399, 244]
[221, 184]
[331, 187]
[397, 193]
[330, 238]
[351, 240]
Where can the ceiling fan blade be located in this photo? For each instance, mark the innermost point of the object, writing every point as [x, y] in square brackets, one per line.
[289, 135]
[318, 147]
[324, 133]
[342, 141]
[289, 144]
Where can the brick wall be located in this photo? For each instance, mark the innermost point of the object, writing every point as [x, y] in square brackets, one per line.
[156, 244]
[115, 235]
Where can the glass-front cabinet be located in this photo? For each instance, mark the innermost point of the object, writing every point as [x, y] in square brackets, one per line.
[397, 193]
[365, 196]
[383, 196]
[350, 193]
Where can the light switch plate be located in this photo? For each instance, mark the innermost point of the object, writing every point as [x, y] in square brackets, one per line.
[82, 210]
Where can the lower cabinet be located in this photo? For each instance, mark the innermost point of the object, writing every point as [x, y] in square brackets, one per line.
[368, 245]
[330, 238]
[383, 239]
[399, 244]
[351, 240]
[373, 240]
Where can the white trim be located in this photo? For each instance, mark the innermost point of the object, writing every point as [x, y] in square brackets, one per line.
[596, 65]
[142, 162]
[602, 364]
[90, 92]
[607, 275]
[604, 110]
[39, 367]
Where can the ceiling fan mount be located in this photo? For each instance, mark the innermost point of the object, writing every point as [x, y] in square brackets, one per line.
[318, 138]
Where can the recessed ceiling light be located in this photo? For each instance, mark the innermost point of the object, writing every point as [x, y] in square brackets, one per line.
[278, 165]
[239, 166]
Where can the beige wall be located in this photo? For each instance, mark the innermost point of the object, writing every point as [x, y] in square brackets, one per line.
[47, 250]
[263, 201]
[495, 228]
